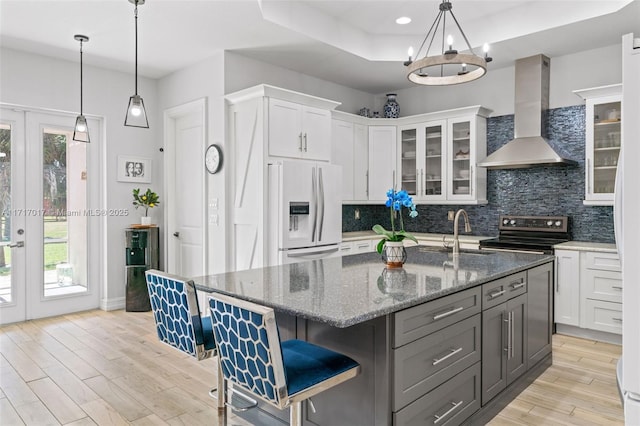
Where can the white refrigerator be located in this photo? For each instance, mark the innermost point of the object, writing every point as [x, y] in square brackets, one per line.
[305, 211]
[626, 210]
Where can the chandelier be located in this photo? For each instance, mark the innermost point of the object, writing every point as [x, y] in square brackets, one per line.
[449, 67]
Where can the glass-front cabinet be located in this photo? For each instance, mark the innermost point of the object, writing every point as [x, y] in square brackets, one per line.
[422, 160]
[603, 141]
[438, 156]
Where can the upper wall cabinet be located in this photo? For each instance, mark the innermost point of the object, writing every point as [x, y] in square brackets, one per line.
[351, 151]
[382, 161]
[438, 153]
[299, 131]
[603, 138]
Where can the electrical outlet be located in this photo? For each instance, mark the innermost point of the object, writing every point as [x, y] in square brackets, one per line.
[356, 214]
[451, 215]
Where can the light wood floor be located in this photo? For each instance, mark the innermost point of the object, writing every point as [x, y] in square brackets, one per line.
[109, 368]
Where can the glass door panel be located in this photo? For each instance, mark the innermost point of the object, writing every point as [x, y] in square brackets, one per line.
[461, 159]
[6, 289]
[433, 159]
[606, 146]
[64, 218]
[408, 141]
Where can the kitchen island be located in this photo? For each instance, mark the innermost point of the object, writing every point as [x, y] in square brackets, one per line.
[416, 331]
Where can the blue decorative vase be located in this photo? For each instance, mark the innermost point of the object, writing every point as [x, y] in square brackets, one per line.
[391, 108]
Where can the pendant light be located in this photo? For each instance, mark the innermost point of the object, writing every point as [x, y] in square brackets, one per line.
[81, 130]
[136, 114]
[447, 66]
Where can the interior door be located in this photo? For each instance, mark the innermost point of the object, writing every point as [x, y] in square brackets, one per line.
[185, 201]
[49, 217]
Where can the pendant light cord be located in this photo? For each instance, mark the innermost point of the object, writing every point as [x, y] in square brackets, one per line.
[136, 21]
[81, 77]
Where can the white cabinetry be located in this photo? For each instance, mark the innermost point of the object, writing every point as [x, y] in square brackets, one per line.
[299, 131]
[423, 160]
[588, 291]
[438, 153]
[265, 122]
[382, 161]
[603, 138]
[350, 149]
[567, 292]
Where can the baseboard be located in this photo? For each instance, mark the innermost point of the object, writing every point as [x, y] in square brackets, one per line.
[112, 304]
[601, 336]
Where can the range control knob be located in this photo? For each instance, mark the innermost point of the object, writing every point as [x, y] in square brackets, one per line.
[505, 221]
[512, 222]
[558, 223]
[549, 223]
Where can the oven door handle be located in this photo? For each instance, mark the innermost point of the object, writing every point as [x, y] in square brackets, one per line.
[512, 250]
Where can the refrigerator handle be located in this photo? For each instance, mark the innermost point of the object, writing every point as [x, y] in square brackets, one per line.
[321, 202]
[314, 200]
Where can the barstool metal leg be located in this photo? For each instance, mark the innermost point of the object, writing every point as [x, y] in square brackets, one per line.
[222, 388]
[295, 414]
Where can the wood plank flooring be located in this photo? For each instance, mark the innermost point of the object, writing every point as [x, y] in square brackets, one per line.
[108, 368]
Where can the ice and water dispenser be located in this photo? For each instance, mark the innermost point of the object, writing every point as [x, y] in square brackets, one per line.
[142, 253]
[299, 220]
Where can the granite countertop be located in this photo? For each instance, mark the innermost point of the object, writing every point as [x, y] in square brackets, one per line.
[344, 291]
[587, 246]
[366, 235]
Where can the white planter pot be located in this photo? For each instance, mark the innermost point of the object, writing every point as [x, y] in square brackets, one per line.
[394, 254]
[145, 220]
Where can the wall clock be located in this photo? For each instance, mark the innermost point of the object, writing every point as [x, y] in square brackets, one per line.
[213, 159]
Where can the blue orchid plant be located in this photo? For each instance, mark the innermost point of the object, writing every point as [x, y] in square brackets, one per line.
[395, 202]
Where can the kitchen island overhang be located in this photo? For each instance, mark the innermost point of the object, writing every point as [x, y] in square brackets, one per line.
[345, 291]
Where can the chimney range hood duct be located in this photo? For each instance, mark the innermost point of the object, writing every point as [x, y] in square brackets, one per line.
[529, 148]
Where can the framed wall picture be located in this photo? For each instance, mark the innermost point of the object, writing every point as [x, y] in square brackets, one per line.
[134, 169]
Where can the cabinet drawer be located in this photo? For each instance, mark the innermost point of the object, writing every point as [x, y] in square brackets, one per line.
[428, 362]
[422, 320]
[604, 316]
[362, 246]
[499, 291]
[602, 261]
[346, 248]
[448, 404]
[603, 285]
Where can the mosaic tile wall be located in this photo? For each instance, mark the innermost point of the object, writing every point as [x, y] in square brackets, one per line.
[535, 191]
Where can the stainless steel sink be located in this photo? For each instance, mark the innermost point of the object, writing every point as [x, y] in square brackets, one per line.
[437, 249]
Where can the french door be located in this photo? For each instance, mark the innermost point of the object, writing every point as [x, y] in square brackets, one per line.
[48, 228]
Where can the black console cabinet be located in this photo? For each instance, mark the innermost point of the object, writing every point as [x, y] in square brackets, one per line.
[142, 253]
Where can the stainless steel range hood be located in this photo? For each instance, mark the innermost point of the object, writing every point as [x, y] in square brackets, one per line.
[529, 148]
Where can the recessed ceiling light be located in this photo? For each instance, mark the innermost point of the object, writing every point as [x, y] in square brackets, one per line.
[403, 20]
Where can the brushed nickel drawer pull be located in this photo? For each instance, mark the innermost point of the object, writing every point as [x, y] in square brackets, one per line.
[449, 355]
[616, 287]
[495, 294]
[516, 285]
[452, 409]
[446, 314]
[617, 319]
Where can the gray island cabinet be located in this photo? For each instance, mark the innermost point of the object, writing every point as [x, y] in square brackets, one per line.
[441, 341]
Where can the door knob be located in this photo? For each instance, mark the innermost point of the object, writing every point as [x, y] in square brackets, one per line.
[176, 234]
[18, 244]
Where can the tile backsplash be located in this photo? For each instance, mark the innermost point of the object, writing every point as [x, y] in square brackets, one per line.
[538, 191]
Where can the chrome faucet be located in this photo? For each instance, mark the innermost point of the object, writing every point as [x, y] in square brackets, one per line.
[467, 228]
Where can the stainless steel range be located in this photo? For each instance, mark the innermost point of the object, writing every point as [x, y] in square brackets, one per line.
[531, 234]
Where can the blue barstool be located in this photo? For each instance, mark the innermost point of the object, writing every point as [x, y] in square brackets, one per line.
[174, 303]
[283, 374]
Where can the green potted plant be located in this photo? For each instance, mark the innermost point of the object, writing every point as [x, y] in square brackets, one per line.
[391, 242]
[147, 200]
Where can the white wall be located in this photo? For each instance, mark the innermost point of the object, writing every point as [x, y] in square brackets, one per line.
[204, 80]
[592, 68]
[242, 72]
[45, 82]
